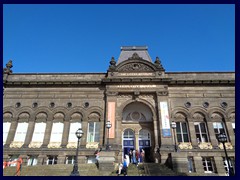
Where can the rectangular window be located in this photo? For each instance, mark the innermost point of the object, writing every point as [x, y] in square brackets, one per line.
[39, 131]
[70, 159]
[21, 132]
[57, 131]
[208, 164]
[52, 160]
[32, 161]
[201, 132]
[218, 128]
[182, 132]
[226, 165]
[93, 134]
[73, 128]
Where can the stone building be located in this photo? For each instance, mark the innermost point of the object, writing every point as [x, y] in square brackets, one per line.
[42, 111]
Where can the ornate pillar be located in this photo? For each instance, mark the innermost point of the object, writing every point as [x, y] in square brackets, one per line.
[12, 131]
[30, 131]
[66, 129]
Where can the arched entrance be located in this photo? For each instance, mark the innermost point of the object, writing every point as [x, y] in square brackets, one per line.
[137, 120]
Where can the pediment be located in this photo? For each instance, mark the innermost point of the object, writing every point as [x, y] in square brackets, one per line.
[135, 65]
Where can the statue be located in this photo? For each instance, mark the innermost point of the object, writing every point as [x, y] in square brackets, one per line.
[8, 67]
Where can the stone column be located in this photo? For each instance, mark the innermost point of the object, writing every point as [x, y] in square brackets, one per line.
[66, 130]
[155, 134]
[42, 159]
[166, 142]
[30, 131]
[212, 135]
[12, 131]
[198, 164]
[220, 165]
[193, 134]
[137, 141]
[180, 162]
[230, 131]
[61, 159]
[111, 96]
[47, 134]
[83, 140]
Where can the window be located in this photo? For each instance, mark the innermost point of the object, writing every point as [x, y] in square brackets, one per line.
[208, 164]
[52, 160]
[6, 127]
[14, 158]
[57, 131]
[128, 134]
[32, 161]
[70, 159]
[218, 128]
[201, 132]
[39, 131]
[182, 132]
[73, 128]
[21, 132]
[233, 126]
[226, 165]
[93, 134]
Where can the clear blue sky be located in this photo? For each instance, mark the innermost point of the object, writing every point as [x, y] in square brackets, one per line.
[83, 38]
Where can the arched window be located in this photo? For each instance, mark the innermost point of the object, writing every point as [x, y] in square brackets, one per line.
[182, 131]
[218, 124]
[128, 134]
[200, 128]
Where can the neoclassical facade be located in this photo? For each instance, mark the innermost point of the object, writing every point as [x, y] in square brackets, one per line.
[41, 113]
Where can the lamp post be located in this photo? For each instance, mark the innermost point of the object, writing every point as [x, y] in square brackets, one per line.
[174, 125]
[222, 138]
[108, 126]
[79, 133]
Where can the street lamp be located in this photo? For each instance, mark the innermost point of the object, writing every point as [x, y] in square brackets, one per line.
[174, 125]
[79, 133]
[222, 138]
[108, 126]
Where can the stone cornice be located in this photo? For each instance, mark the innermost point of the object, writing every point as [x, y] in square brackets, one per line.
[104, 81]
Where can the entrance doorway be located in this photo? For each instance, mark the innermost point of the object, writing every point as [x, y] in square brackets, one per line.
[128, 141]
[145, 144]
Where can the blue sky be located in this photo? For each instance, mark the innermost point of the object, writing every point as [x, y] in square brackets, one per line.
[83, 38]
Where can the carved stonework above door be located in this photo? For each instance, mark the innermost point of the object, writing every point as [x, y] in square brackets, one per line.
[135, 67]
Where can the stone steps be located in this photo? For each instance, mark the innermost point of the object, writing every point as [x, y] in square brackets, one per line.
[55, 170]
[155, 169]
